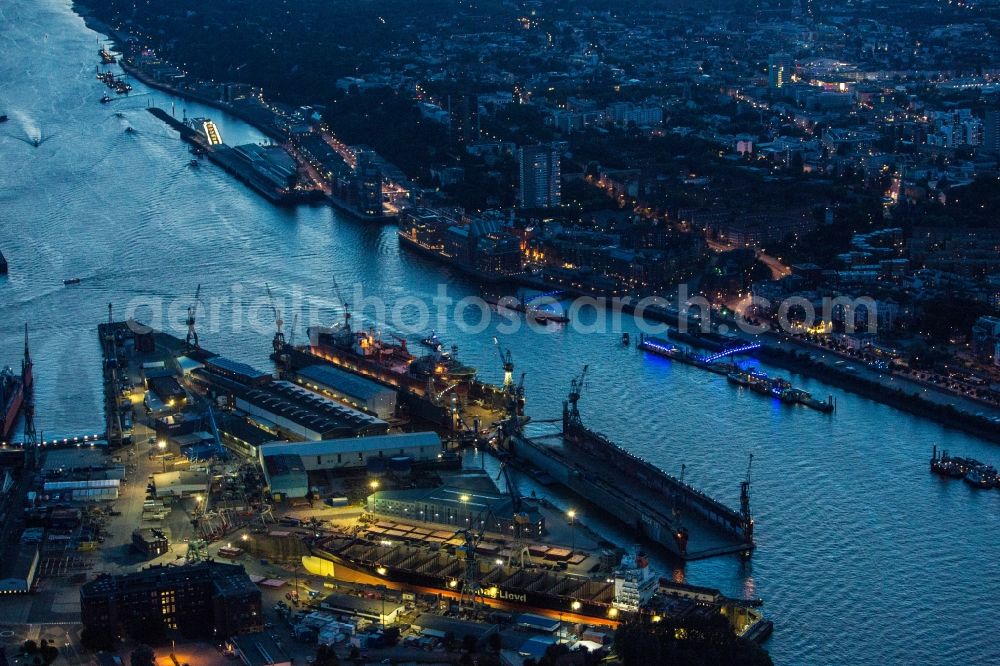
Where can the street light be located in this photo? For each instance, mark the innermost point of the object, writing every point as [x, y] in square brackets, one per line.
[162, 445]
[572, 528]
[373, 484]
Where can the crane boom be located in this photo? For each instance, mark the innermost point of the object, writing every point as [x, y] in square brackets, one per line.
[340, 297]
[191, 340]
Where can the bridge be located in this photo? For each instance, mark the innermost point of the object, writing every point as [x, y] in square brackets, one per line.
[732, 351]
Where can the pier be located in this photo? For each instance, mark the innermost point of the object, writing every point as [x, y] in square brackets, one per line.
[774, 387]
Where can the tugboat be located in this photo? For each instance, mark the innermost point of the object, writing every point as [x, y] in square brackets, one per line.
[129, 130]
[105, 99]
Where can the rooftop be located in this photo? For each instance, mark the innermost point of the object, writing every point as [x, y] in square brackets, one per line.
[347, 382]
[351, 444]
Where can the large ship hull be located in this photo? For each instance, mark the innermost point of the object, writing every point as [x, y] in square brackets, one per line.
[413, 392]
[508, 597]
[12, 396]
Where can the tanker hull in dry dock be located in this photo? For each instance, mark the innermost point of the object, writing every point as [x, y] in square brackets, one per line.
[428, 386]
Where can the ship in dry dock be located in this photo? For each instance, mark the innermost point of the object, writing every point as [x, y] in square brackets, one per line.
[435, 387]
[631, 588]
[14, 388]
[664, 509]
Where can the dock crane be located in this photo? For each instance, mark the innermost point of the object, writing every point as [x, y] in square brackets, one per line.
[507, 364]
[520, 520]
[347, 306]
[191, 340]
[471, 589]
[513, 393]
[278, 343]
[571, 412]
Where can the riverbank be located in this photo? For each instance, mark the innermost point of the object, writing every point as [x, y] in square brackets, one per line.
[911, 403]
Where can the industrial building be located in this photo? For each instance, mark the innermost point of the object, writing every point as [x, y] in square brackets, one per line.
[347, 387]
[82, 490]
[260, 649]
[287, 465]
[19, 574]
[455, 506]
[181, 483]
[382, 611]
[150, 541]
[289, 409]
[438, 626]
[207, 599]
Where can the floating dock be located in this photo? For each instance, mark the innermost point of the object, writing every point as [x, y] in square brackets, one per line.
[664, 509]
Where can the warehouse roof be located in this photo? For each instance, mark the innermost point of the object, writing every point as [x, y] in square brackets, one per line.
[351, 444]
[343, 381]
[236, 369]
[440, 626]
[296, 404]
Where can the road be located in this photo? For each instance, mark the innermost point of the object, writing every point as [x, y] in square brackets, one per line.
[778, 269]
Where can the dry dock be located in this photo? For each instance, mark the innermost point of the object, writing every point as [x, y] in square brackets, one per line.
[665, 510]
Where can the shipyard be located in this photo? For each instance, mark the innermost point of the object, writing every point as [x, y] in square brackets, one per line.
[352, 470]
[499, 333]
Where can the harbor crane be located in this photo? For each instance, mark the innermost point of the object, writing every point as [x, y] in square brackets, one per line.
[291, 330]
[278, 343]
[575, 390]
[507, 363]
[520, 520]
[471, 589]
[340, 297]
[191, 340]
[513, 393]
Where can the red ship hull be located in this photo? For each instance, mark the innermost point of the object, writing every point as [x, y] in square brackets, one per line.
[11, 410]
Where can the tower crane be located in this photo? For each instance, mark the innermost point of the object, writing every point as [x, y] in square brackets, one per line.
[192, 335]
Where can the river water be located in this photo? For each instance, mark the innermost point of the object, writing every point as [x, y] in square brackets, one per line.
[863, 556]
